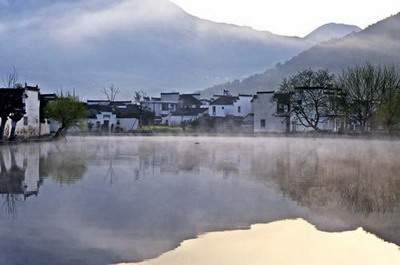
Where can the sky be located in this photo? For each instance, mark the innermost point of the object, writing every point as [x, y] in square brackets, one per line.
[291, 17]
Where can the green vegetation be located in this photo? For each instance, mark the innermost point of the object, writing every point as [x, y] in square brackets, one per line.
[68, 111]
[363, 98]
[160, 129]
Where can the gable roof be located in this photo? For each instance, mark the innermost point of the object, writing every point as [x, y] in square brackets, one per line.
[189, 100]
[189, 112]
[121, 111]
[224, 100]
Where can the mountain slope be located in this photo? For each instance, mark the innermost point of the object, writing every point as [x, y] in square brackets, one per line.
[331, 31]
[151, 45]
[377, 44]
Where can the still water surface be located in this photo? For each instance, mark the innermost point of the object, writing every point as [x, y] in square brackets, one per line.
[111, 200]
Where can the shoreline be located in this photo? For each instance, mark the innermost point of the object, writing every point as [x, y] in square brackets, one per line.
[29, 140]
[246, 135]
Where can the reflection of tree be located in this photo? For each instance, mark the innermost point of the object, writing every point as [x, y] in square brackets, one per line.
[11, 182]
[64, 167]
[367, 182]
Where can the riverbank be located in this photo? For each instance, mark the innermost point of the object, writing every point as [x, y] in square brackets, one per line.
[312, 135]
[282, 243]
[48, 138]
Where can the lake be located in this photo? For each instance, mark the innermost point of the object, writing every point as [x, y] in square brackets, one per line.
[105, 200]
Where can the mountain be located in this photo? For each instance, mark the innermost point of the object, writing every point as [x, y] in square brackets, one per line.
[331, 31]
[377, 44]
[151, 45]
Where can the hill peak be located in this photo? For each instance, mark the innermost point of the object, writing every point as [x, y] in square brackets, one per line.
[330, 31]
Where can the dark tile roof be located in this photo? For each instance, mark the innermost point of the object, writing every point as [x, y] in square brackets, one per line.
[170, 93]
[265, 92]
[224, 100]
[122, 111]
[131, 111]
[47, 97]
[189, 100]
[189, 112]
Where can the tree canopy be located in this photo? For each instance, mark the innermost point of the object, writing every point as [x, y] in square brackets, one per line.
[68, 111]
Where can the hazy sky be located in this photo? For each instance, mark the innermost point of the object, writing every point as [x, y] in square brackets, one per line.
[291, 17]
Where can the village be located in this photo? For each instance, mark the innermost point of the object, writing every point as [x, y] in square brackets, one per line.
[264, 112]
[315, 104]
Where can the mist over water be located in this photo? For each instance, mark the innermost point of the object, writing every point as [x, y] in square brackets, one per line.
[109, 200]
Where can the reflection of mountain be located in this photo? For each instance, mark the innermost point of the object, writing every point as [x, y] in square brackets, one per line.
[352, 181]
[168, 189]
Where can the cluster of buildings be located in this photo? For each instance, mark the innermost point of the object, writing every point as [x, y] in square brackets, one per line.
[264, 112]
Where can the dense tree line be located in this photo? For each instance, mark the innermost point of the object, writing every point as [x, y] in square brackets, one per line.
[364, 98]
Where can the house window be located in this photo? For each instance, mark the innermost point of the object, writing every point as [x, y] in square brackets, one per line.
[239, 109]
[223, 107]
[262, 123]
[25, 121]
[214, 109]
[106, 116]
[280, 108]
[164, 106]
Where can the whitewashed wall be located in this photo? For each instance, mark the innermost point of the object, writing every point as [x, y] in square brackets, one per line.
[32, 108]
[265, 108]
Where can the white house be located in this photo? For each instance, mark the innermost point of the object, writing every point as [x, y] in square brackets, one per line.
[268, 114]
[162, 106]
[225, 105]
[272, 114]
[185, 116]
[30, 124]
[114, 117]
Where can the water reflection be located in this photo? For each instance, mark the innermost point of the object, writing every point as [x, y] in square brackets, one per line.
[285, 243]
[19, 178]
[109, 200]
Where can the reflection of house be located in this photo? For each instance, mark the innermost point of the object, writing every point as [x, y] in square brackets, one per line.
[227, 105]
[29, 125]
[19, 172]
[117, 116]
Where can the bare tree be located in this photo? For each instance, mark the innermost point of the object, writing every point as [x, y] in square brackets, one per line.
[366, 88]
[309, 94]
[138, 96]
[11, 79]
[111, 92]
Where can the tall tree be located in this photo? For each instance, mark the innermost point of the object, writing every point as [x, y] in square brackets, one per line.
[367, 87]
[11, 103]
[389, 107]
[310, 95]
[68, 111]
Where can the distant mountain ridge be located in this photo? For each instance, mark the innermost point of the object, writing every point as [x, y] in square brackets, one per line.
[331, 31]
[150, 45]
[377, 44]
